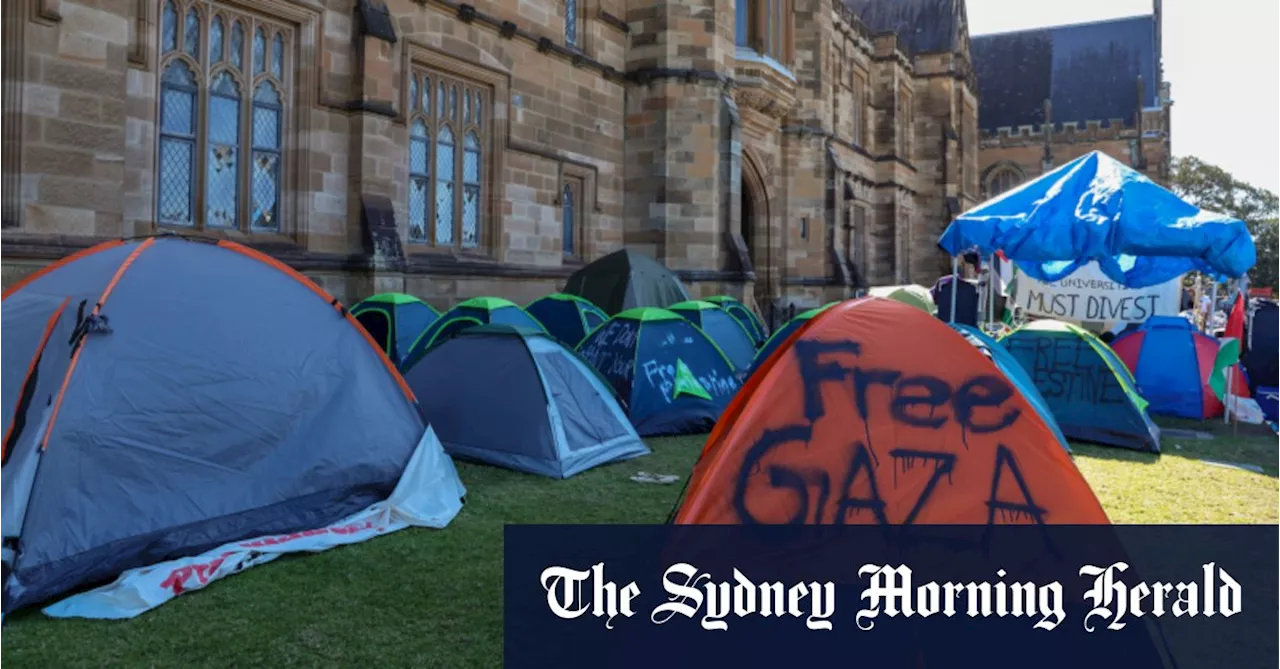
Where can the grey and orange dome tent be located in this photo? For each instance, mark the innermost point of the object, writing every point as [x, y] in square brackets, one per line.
[898, 418]
[165, 396]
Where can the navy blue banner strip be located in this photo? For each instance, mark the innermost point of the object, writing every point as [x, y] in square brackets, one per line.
[881, 596]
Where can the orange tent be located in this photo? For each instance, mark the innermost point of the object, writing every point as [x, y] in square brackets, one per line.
[875, 411]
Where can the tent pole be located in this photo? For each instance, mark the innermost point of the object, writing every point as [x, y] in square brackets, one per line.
[955, 276]
[1228, 404]
[991, 285]
[1213, 306]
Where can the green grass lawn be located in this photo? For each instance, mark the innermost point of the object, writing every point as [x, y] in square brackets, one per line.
[434, 598]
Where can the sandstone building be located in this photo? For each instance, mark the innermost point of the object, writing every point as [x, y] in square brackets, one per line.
[786, 151]
[1052, 95]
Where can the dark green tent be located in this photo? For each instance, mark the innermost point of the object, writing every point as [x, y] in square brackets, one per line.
[624, 280]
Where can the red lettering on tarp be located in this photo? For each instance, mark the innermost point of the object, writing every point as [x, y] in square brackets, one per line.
[177, 578]
[286, 538]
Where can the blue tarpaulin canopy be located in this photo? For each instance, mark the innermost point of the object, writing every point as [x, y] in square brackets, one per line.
[1095, 208]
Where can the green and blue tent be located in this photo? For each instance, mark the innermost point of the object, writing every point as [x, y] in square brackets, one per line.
[730, 335]
[1091, 393]
[672, 378]
[780, 335]
[568, 318]
[747, 317]
[466, 314]
[394, 320]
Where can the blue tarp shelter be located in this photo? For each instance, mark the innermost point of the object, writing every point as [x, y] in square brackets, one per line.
[1096, 208]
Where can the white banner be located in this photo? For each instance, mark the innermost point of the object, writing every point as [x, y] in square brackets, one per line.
[428, 494]
[1088, 294]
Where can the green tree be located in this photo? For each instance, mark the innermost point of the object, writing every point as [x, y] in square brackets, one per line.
[1213, 188]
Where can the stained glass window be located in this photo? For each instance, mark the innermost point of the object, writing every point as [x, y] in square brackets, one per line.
[444, 186]
[222, 164]
[1002, 181]
[259, 51]
[177, 144]
[566, 213]
[220, 137]
[471, 191]
[237, 45]
[446, 161]
[419, 179]
[742, 23]
[169, 28]
[191, 34]
[265, 180]
[571, 23]
[277, 56]
[215, 40]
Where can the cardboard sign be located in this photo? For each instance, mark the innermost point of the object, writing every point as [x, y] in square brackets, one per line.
[1090, 295]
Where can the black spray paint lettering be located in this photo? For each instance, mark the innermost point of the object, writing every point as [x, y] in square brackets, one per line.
[1011, 510]
[812, 486]
[916, 401]
[1068, 369]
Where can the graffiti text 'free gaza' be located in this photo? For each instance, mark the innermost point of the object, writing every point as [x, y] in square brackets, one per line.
[891, 591]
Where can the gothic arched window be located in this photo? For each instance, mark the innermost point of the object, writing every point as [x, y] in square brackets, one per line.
[447, 160]
[1003, 180]
[571, 24]
[567, 202]
[214, 115]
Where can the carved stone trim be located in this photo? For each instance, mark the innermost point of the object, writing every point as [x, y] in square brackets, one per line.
[46, 11]
[12, 68]
[140, 37]
[763, 91]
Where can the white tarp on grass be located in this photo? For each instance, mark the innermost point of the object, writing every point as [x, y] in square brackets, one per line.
[429, 494]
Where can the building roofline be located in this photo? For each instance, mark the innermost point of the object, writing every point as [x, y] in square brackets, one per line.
[1081, 24]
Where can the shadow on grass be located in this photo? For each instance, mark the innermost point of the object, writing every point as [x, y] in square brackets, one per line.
[1114, 453]
[1253, 445]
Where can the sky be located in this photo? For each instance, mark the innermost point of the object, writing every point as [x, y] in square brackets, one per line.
[1221, 57]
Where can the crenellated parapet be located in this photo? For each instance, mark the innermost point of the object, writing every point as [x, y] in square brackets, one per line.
[1073, 131]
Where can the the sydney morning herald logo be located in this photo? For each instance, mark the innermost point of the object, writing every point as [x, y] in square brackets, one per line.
[891, 591]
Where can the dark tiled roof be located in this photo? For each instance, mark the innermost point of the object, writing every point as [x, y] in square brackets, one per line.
[1089, 71]
[923, 26]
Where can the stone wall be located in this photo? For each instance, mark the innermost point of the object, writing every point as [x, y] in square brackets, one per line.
[650, 116]
[1024, 148]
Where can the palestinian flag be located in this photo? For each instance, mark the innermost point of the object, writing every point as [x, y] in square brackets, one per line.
[1228, 356]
